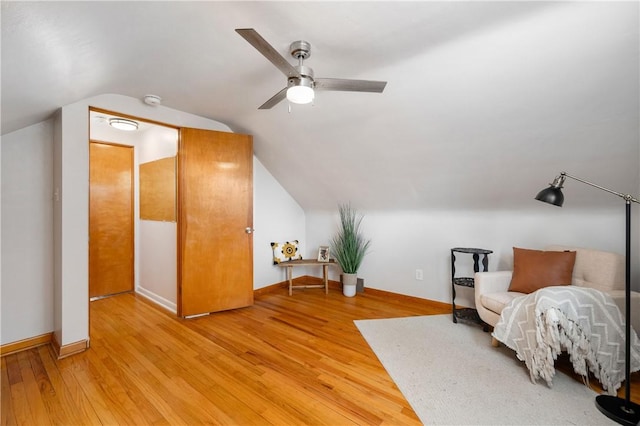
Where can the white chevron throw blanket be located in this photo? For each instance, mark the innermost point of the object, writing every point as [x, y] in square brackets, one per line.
[584, 322]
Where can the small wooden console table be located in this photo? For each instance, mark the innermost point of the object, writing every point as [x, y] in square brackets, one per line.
[308, 262]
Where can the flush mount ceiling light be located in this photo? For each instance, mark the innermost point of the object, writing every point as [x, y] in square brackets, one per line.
[123, 124]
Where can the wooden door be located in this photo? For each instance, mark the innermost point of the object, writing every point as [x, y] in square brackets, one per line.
[215, 220]
[111, 227]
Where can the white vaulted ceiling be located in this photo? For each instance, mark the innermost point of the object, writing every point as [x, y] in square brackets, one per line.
[485, 103]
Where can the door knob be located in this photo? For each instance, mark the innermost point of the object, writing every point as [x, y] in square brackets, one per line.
[249, 230]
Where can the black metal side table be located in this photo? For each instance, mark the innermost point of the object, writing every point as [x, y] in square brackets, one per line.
[467, 314]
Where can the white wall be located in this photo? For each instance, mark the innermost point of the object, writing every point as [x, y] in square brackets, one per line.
[27, 233]
[403, 241]
[635, 234]
[157, 262]
[1, 322]
[156, 248]
[276, 217]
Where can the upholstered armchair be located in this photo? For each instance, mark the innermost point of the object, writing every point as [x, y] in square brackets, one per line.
[592, 268]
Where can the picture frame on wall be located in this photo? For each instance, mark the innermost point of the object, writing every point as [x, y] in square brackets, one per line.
[323, 254]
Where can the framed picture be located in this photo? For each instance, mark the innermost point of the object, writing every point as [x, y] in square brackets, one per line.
[323, 254]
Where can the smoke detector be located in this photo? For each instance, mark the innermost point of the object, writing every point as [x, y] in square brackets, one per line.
[152, 100]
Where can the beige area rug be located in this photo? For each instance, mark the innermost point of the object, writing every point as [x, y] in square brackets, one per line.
[450, 374]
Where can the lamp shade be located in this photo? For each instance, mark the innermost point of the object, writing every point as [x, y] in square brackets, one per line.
[552, 195]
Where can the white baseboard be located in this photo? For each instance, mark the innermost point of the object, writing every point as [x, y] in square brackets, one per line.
[167, 304]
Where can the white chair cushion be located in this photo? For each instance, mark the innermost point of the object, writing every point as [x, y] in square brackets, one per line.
[496, 302]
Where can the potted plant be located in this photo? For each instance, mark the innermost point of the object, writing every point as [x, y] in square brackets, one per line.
[349, 246]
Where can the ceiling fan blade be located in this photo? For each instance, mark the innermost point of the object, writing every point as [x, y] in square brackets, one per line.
[275, 99]
[268, 51]
[345, 85]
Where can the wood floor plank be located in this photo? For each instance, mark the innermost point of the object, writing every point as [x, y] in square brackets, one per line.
[37, 407]
[79, 410]
[187, 404]
[142, 404]
[7, 416]
[14, 375]
[157, 396]
[286, 360]
[21, 405]
[230, 374]
[89, 386]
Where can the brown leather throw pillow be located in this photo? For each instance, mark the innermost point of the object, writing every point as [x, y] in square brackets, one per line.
[535, 269]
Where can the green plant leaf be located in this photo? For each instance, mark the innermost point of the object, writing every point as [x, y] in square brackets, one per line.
[348, 244]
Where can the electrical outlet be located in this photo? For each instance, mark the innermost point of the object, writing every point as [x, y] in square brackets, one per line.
[419, 275]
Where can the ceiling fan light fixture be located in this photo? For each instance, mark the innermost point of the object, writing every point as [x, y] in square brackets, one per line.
[123, 124]
[301, 91]
[300, 79]
[300, 94]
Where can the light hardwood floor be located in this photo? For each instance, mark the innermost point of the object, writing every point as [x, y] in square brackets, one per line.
[286, 360]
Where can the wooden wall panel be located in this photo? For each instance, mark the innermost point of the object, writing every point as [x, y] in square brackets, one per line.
[158, 190]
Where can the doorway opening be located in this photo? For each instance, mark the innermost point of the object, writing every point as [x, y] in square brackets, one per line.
[151, 231]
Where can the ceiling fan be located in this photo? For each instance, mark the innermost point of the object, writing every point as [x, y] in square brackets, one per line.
[300, 79]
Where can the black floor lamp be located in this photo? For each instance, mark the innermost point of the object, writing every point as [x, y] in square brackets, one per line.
[618, 409]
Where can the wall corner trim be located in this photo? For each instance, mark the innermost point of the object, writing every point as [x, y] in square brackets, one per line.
[69, 349]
